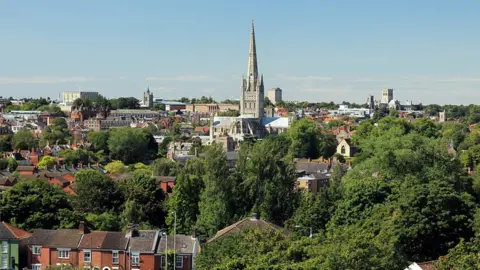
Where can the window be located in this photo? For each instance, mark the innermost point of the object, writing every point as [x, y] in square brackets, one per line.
[4, 247]
[115, 257]
[343, 150]
[63, 253]
[36, 250]
[36, 266]
[87, 255]
[178, 261]
[135, 258]
[4, 262]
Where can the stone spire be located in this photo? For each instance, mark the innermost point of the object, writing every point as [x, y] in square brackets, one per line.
[252, 58]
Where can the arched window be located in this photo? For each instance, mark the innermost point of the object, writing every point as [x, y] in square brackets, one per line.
[342, 151]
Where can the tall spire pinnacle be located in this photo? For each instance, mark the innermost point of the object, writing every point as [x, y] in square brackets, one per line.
[252, 58]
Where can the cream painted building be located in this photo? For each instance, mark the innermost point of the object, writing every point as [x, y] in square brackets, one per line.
[70, 96]
[274, 95]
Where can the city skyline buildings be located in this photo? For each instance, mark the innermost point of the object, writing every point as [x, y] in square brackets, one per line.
[321, 51]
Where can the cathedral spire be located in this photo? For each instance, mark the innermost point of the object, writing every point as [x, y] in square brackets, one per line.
[252, 58]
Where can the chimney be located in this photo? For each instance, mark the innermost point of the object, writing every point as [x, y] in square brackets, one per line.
[82, 228]
[131, 231]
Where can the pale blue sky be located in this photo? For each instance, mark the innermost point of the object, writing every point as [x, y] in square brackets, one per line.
[428, 50]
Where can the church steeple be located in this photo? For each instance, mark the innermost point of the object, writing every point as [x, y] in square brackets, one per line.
[252, 58]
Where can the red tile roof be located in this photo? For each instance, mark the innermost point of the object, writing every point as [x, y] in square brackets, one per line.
[19, 233]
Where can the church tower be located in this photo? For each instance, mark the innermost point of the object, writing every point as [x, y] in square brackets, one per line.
[252, 97]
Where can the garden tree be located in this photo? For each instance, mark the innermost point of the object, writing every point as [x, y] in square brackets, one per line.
[132, 213]
[164, 167]
[303, 134]
[213, 204]
[269, 176]
[128, 144]
[470, 158]
[197, 147]
[335, 123]
[163, 146]
[143, 192]
[99, 139]
[250, 249]
[454, 132]
[32, 204]
[5, 143]
[83, 156]
[116, 167]
[95, 193]
[23, 140]
[433, 109]
[54, 109]
[56, 132]
[185, 197]
[124, 103]
[152, 145]
[47, 162]
[107, 221]
[12, 164]
[426, 127]
[327, 144]
[3, 164]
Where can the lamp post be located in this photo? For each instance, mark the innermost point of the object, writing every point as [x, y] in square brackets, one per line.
[174, 234]
[309, 228]
[166, 249]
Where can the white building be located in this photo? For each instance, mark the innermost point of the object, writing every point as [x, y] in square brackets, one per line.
[274, 95]
[70, 96]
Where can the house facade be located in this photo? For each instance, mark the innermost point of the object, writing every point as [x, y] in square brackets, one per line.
[13, 241]
[99, 250]
[186, 248]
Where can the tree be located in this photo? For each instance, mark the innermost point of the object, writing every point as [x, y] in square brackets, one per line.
[185, 197]
[269, 176]
[99, 140]
[116, 167]
[95, 193]
[213, 204]
[12, 164]
[107, 221]
[23, 140]
[304, 136]
[47, 162]
[32, 204]
[164, 167]
[128, 145]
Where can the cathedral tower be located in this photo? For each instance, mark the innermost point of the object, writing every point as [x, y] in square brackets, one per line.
[252, 97]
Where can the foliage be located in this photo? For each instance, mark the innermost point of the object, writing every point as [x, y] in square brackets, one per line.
[107, 221]
[23, 140]
[124, 103]
[128, 144]
[213, 204]
[95, 193]
[185, 197]
[32, 204]
[99, 139]
[144, 200]
[47, 162]
[116, 167]
[164, 167]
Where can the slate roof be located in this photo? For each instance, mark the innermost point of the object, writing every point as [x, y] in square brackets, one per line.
[61, 238]
[184, 244]
[144, 241]
[104, 240]
[10, 232]
[165, 179]
[311, 167]
[242, 225]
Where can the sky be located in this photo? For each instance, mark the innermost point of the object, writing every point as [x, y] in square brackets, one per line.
[428, 51]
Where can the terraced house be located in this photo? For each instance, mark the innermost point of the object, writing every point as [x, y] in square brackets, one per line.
[13, 241]
[102, 250]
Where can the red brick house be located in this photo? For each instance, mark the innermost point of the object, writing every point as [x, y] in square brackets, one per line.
[166, 183]
[131, 250]
[53, 247]
[103, 250]
[186, 249]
